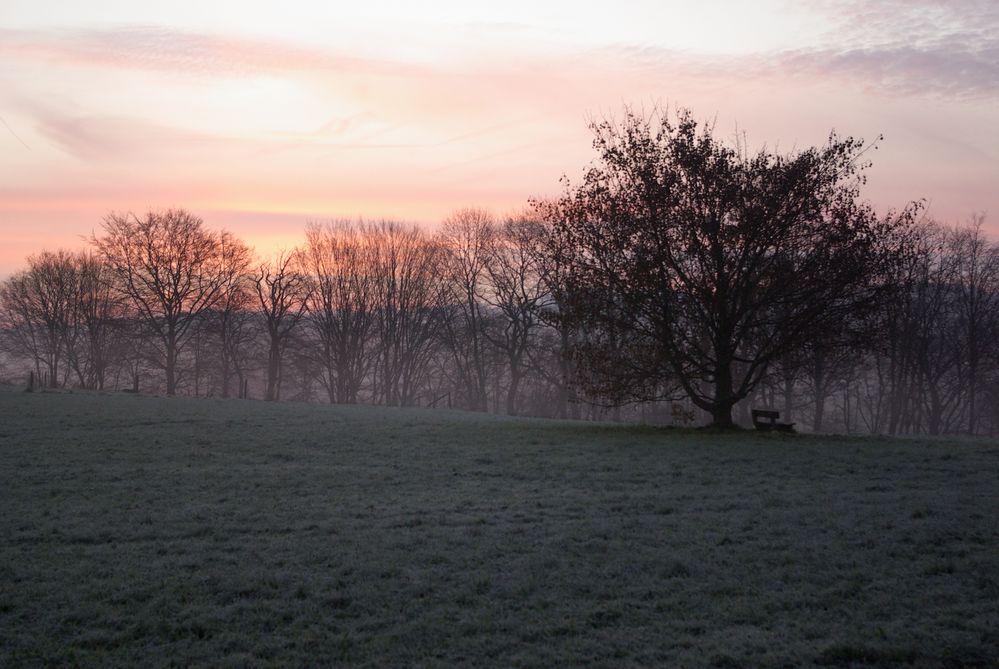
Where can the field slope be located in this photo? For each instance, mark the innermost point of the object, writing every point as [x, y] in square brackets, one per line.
[149, 531]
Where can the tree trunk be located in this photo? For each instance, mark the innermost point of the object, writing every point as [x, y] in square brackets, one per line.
[511, 393]
[721, 415]
[972, 386]
[226, 376]
[935, 418]
[819, 384]
[273, 370]
[721, 407]
[788, 398]
[171, 369]
[563, 368]
[820, 410]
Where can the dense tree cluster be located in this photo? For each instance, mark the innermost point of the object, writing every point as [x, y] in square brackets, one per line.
[377, 312]
[681, 274]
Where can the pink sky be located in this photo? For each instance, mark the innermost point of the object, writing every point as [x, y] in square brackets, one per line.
[259, 120]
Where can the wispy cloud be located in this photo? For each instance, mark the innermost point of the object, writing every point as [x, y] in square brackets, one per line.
[911, 21]
[168, 49]
[909, 48]
[947, 49]
[103, 138]
[940, 70]
[947, 68]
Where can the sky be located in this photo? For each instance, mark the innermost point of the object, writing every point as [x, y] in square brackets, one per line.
[260, 116]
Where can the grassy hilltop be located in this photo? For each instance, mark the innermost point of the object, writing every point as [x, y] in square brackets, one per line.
[148, 531]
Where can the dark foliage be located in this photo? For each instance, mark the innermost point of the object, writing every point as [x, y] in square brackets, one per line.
[692, 265]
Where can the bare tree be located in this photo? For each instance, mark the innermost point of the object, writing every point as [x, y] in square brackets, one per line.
[829, 365]
[935, 339]
[552, 255]
[340, 261]
[282, 293]
[467, 238]
[977, 305]
[233, 318]
[920, 374]
[24, 333]
[38, 306]
[518, 295]
[410, 300]
[97, 314]
[172, 270]
[238, 327]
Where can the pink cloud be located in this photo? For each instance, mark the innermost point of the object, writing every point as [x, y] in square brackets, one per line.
[492, 129]
[166, 49]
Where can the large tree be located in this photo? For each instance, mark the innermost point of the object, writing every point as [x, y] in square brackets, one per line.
[699, 263]
[233, 315]
[172, 269]
[36, 311]
[339, 260]
[518, 295]
[409, 298]
[977, 305]
[282, 295]
[96, 314]
[467, 239]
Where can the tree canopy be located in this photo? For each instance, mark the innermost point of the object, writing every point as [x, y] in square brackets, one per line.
[690, 264]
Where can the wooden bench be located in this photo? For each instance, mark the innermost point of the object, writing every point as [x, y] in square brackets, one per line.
[766, 419]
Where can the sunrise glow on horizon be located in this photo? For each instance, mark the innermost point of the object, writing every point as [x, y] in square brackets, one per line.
[258, 120]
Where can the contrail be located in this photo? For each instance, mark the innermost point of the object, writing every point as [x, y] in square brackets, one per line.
[14, 133]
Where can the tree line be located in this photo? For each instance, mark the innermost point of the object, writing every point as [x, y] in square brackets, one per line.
[683, 276]
[377, 312]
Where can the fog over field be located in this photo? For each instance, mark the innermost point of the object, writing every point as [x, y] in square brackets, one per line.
[143, 531]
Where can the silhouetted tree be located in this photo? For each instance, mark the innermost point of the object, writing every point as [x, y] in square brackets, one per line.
[710, 262]
[552, 255]
[97, 316]
[63, 314]
[939, 327]
[935, 338]
[340, 262]
[38, 308]
[282, 294]
[171, 269]
[409, 301]
[232, 313]
[517, 293]
[467, 238]
[977, 308]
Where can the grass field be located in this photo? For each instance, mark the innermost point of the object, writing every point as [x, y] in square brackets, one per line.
[150, 531]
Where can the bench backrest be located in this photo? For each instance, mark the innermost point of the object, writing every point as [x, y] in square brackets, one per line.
[765, 413]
